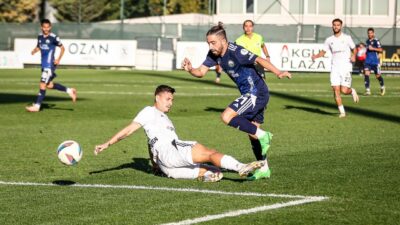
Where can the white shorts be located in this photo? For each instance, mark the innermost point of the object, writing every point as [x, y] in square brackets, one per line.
[176, 161]
[340, 77]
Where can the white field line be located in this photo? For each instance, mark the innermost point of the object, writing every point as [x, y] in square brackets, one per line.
[301, 198]
[247, 211]
[139, 187]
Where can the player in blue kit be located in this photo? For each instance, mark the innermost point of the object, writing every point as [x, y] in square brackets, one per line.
[246, 113]
[374, 47]
[46, 44]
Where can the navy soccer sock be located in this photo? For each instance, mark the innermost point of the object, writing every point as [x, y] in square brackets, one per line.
[60, 87]
[257, 150]
[366, 82]
[380, 79]
[41, 95]
[243, 124]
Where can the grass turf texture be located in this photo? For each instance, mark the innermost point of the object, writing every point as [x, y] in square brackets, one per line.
[354, 161]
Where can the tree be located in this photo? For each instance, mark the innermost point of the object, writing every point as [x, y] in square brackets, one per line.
[81, 10]
[19, 11]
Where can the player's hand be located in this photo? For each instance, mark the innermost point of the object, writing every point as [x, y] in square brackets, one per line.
[56, 61]
[353, 58]
[100, 148]
[284, 74]
[187, 65]
[370, 48]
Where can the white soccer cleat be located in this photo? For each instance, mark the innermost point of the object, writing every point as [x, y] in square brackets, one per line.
[248, 168]
[211, 177]
[72, 94]
[33, 108]
[356, 99]
[342, 115]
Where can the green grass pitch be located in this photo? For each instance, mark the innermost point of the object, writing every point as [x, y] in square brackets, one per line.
[354, 161]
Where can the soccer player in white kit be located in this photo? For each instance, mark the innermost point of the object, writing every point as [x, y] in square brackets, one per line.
[177, 159]
[340, 45]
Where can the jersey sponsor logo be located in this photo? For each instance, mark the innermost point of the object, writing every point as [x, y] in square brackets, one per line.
[244, 51]
[231, 63]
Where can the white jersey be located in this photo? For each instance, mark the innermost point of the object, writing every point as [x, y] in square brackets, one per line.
[340, 47]
[158, 127]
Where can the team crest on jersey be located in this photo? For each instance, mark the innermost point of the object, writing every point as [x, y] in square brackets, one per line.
[231, 63]
[244, 51]
[47, 41]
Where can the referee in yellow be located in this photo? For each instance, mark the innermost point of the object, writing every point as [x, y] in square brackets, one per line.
[253, 42]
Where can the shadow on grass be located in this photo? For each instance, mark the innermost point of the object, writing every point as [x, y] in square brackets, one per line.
[140, 164]
[287, 96]
[7, 98]
[309, 109]
[64, 182]
[213, 109]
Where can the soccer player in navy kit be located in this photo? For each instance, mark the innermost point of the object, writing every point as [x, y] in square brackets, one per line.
[372, 61]
[47, 43]
[246, 113]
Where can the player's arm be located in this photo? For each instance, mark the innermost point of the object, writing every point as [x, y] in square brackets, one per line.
[57, 61]
[269, 66]
[320, 54]
[36, 49]
[378, 49]
[265, 50]
[196, 72]
[122, 134]
[353, 56]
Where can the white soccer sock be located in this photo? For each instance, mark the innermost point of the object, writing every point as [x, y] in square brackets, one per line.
[260, 133]
[230, 163]
[341, 109]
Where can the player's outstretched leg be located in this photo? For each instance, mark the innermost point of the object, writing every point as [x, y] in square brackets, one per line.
[70, 91]
[381, 83]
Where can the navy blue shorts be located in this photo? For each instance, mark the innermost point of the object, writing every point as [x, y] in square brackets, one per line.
[375, 68]
[251, 107]
[48, 74]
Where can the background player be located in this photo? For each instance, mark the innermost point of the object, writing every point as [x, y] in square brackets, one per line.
[254, 43]
[246, 113]
[372, 61]
[177, 159]
[46, 44]
[340, 45]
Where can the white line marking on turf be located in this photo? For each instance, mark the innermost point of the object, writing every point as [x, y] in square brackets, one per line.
[246, 211]
[303, 199]
[204, 191]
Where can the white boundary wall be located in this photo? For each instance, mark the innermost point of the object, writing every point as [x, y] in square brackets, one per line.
[10, 60]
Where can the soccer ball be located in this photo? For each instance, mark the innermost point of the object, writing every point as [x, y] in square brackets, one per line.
[69, 152]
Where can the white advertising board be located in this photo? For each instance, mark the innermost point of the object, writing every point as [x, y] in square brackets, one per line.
[285, 56]
[10, 60]
[83, 52]
[297, 57]
[196, 52]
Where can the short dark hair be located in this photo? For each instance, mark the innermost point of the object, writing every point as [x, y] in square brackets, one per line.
[371, 29]
[246, 21]
[164, 88]
[337, 20]
[217, 30]
[43, 21]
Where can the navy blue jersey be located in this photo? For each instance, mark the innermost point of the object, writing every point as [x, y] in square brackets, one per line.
[372, 56]
[47, 47]
[238, 63]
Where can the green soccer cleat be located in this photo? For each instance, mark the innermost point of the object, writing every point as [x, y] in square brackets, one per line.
[265, 142]
[258, 174]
